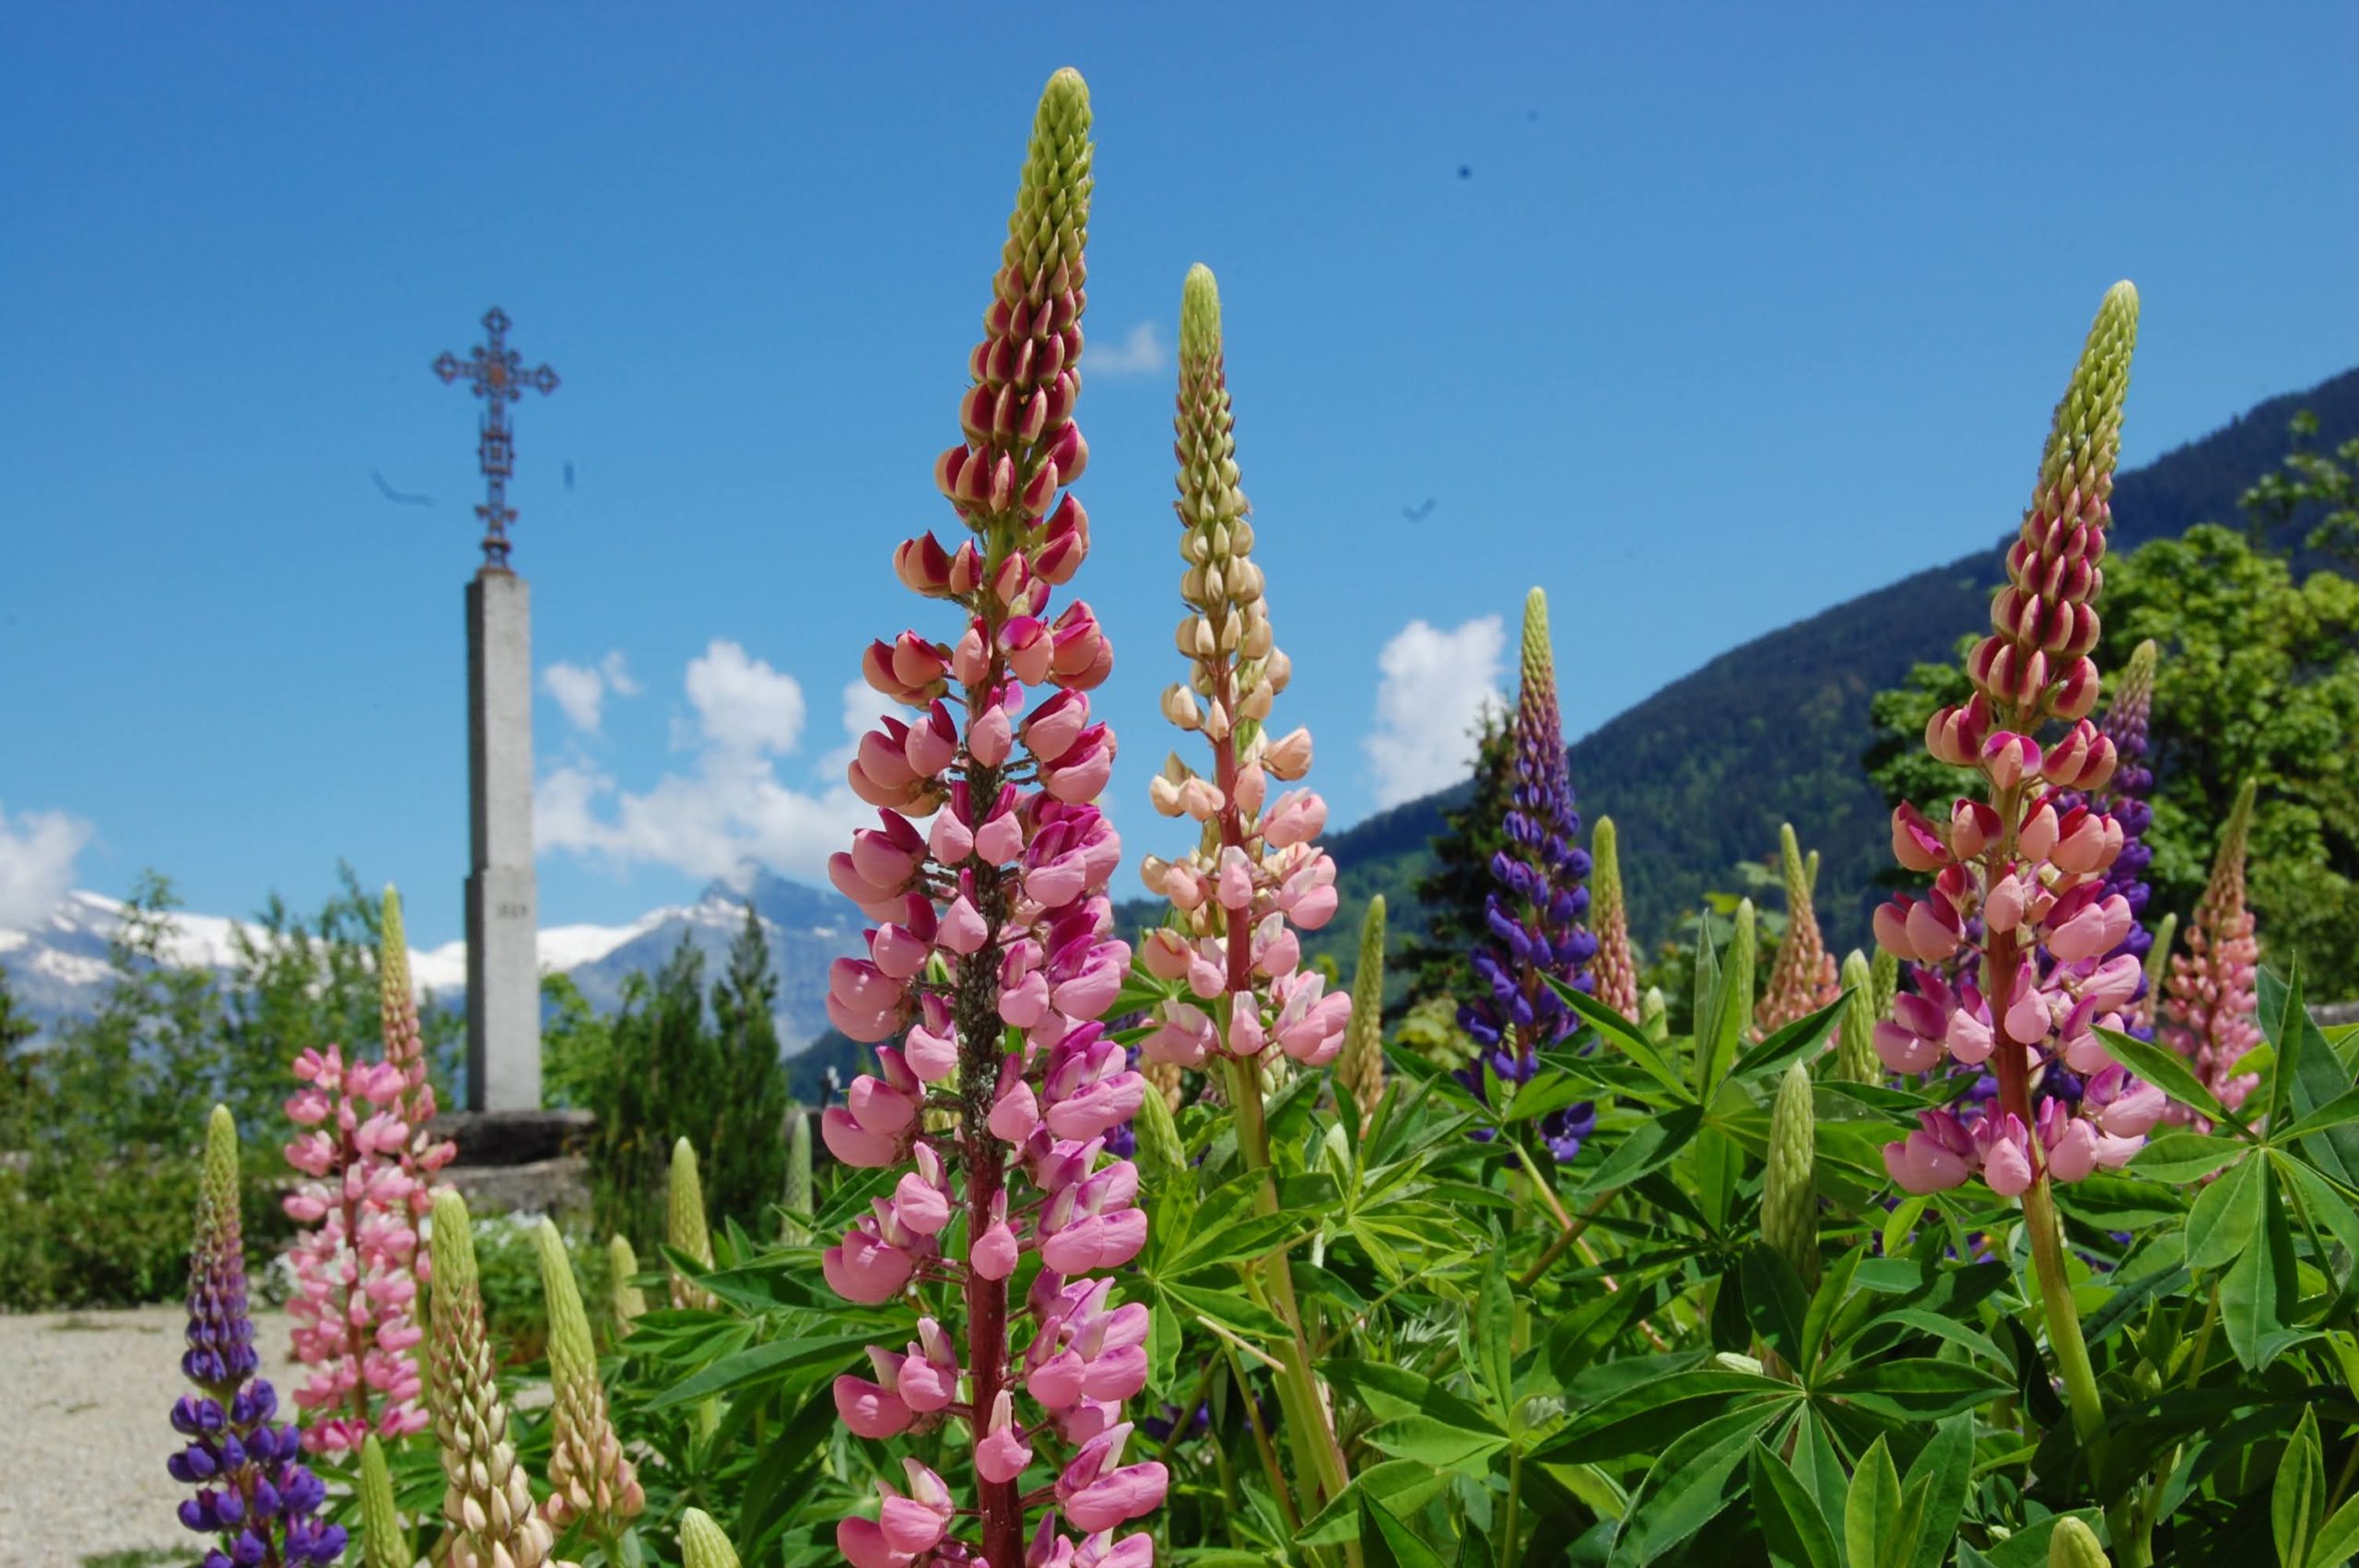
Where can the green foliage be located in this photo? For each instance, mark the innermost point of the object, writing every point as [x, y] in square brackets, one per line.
[1453, 894]
[679, 1061]
[100, 1119]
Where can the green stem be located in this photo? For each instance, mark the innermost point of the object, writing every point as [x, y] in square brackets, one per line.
[1307, 1411]
[1261, 1438]
[2063, 1317]
[1515, 1496]
[2130, 1527]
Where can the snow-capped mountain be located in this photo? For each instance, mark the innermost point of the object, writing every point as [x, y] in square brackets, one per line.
[59, 968]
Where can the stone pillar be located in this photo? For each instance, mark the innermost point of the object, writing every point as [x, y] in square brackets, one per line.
[503, 902]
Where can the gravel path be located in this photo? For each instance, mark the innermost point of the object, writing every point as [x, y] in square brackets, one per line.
[83, 1397]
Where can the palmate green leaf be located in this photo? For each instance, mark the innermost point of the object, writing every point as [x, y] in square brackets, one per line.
[1542, 1093]
[762, 1363]
[2319, 1077]
[1431, 1441]
[2277, 1010]
[1791, 1526]
[1396, 1538]
[2221, 1226]
[1622, 1036]
[2341, 1111]
[1650, 1145]
[2259, 1285]
[1937, 1481]
[2297, 1500]
[1798, 1040]
[2128, 1298]
[1817, 1466]
[1403, 1486]
[1871, 1515]
[1773, 1301]
[1645, 1416]
[1833, 1285]
[2166, 1071]
[1494, 1328]
[1231, 1309]
[1917, 1387]
[2317, 1200]
[2183, 1156]
[2337, 1539]
[1690, 1483]
[1390, 1392]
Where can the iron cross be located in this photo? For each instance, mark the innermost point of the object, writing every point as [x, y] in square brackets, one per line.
[498, 377]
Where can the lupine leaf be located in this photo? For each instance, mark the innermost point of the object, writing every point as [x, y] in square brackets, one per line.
[1403, 1484]
[1688, 1484]
[1941, 1469]
[2297, 1501]
[761, 1364]
[1793, 1042]
[2255, 1289]
[2166, 1071]
[1872, 1512]
[1624, 1037]
[1773, 1301]
[2183, 1156]
[2220, 1227]
[1791, 1526]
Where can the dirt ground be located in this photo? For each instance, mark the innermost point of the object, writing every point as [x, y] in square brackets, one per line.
[83, 1435]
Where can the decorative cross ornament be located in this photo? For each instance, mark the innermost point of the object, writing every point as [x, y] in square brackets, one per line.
[498, 377]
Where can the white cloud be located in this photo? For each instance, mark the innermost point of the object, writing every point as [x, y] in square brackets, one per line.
[1435, 685]
[742, 705]
[580, 689]
[618, 672]
[1141, 353]
[731, 804]
[37, 854]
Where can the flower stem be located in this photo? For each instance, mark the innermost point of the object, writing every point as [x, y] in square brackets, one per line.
[1306, 1409]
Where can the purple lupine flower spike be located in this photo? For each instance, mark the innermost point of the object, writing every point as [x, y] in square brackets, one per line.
[253, 1493]
[2125, 800]
[1535, 914]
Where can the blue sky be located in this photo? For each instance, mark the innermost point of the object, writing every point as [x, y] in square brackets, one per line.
[1734, 311]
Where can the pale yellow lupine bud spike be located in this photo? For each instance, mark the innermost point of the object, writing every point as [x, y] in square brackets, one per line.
[622, 1266]
[1359, 1068]
[383, 1542]
[487, 1499]
[1788, 1185]
[702, 1545]
[2074, 1545]
[1855, 1044]
[589, 1475]
[684, 1228]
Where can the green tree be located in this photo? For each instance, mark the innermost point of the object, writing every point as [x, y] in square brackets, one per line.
[1452, 895]
[746, 1156]
[17, 1082]
[2260, 678]
[576, 1046]
[663, 1082]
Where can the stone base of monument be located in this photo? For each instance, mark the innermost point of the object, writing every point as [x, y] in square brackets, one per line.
[512, 1161]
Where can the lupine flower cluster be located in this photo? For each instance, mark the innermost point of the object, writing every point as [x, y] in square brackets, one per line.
[487, 1500]
[1256, 877]
[371, 1160]
[1536, 912]
[992, 963]
[2210, 1014]
[1614, 969]
[2027, 863]
[1803, 978]
[253, 1492]
[2124, 799]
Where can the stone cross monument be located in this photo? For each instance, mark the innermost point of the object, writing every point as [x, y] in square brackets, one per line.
[503, 902]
